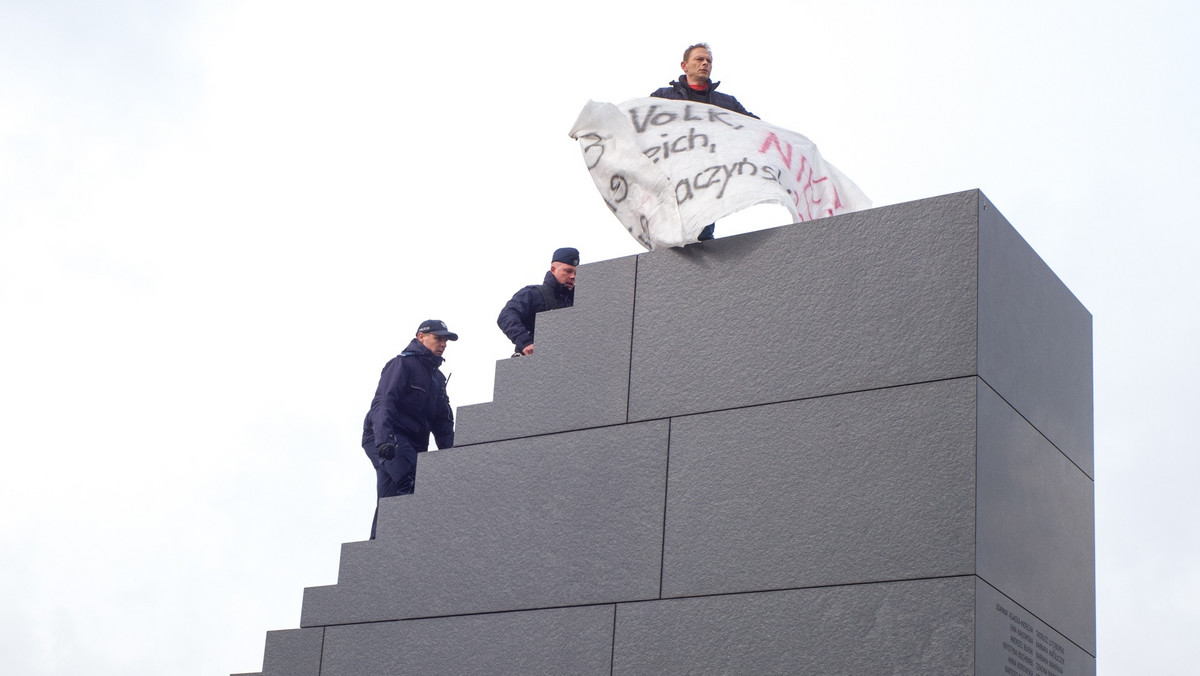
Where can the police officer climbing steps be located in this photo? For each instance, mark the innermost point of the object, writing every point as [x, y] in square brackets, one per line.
[409, 404]
[557, 290]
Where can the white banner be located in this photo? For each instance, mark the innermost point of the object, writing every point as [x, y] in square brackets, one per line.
[668, 168]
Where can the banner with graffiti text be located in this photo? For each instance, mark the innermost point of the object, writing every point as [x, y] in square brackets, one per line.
[668, 168]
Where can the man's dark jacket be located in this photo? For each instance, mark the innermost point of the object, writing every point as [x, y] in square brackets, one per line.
[680, 91]
[409, 403]
[517, 318]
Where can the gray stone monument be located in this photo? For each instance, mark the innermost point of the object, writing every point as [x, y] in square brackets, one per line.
[858, 445]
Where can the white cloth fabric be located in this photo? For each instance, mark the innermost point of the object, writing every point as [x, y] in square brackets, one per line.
[668, 168]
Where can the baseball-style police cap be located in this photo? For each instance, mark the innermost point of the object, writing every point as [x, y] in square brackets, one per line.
[438, 328]
[566, 255]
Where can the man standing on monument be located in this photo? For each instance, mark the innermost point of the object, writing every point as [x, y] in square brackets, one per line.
[696, 85]
[409, 403]
[557, 290]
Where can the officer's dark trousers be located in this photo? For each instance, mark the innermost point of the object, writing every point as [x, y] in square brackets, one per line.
[394, 477]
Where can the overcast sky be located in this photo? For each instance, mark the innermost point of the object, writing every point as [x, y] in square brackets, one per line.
[219, 219]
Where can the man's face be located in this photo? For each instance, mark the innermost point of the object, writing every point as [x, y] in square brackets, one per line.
[436, 344]
[564, 273]
[698, 66]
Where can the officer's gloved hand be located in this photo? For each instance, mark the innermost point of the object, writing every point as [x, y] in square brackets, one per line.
[386, 451]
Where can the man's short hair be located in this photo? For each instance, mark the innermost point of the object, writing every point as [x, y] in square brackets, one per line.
[688, 52]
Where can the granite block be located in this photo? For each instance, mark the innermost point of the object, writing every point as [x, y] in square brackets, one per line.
[565, 519]
[910, 627]
[1036, 512]
[1011, 641]
[867, 299]
[858, 487]
[293, 652]
[552, 641]
[1035, 339]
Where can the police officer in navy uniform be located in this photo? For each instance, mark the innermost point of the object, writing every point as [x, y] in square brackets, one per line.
[409, 404]
[557, 290]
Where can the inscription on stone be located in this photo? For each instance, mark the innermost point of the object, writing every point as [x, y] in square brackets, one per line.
[1030, 651]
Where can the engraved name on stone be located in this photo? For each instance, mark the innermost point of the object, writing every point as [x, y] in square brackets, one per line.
[1030, 651]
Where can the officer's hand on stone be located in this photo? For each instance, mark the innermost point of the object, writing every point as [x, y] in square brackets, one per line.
[386, 451]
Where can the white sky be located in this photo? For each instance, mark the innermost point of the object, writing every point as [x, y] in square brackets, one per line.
[219, 219]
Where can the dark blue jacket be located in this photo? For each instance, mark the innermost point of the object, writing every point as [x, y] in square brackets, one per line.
[409, 403]
[680, 91]
[516, 320]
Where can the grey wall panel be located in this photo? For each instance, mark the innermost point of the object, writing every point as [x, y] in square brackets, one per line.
[800, 450]
[554, 641]
[293, 652]
[867, 299]
[578, 375]
[1036, 530]
[859, 487]
[1010, 641]
[1035, 338]
[565, 519]
[916, 627]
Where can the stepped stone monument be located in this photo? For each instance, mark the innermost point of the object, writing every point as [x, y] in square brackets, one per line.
[859, 445]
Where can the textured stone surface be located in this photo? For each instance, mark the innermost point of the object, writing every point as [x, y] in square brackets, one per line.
[1010, 640]
[851, 488]
[868, 299]
[553, 641]
[564, 519]
[578, 375]
[1036, 522]
[1035, 338]
[293, 652]
[913, 627]
[859, 445]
